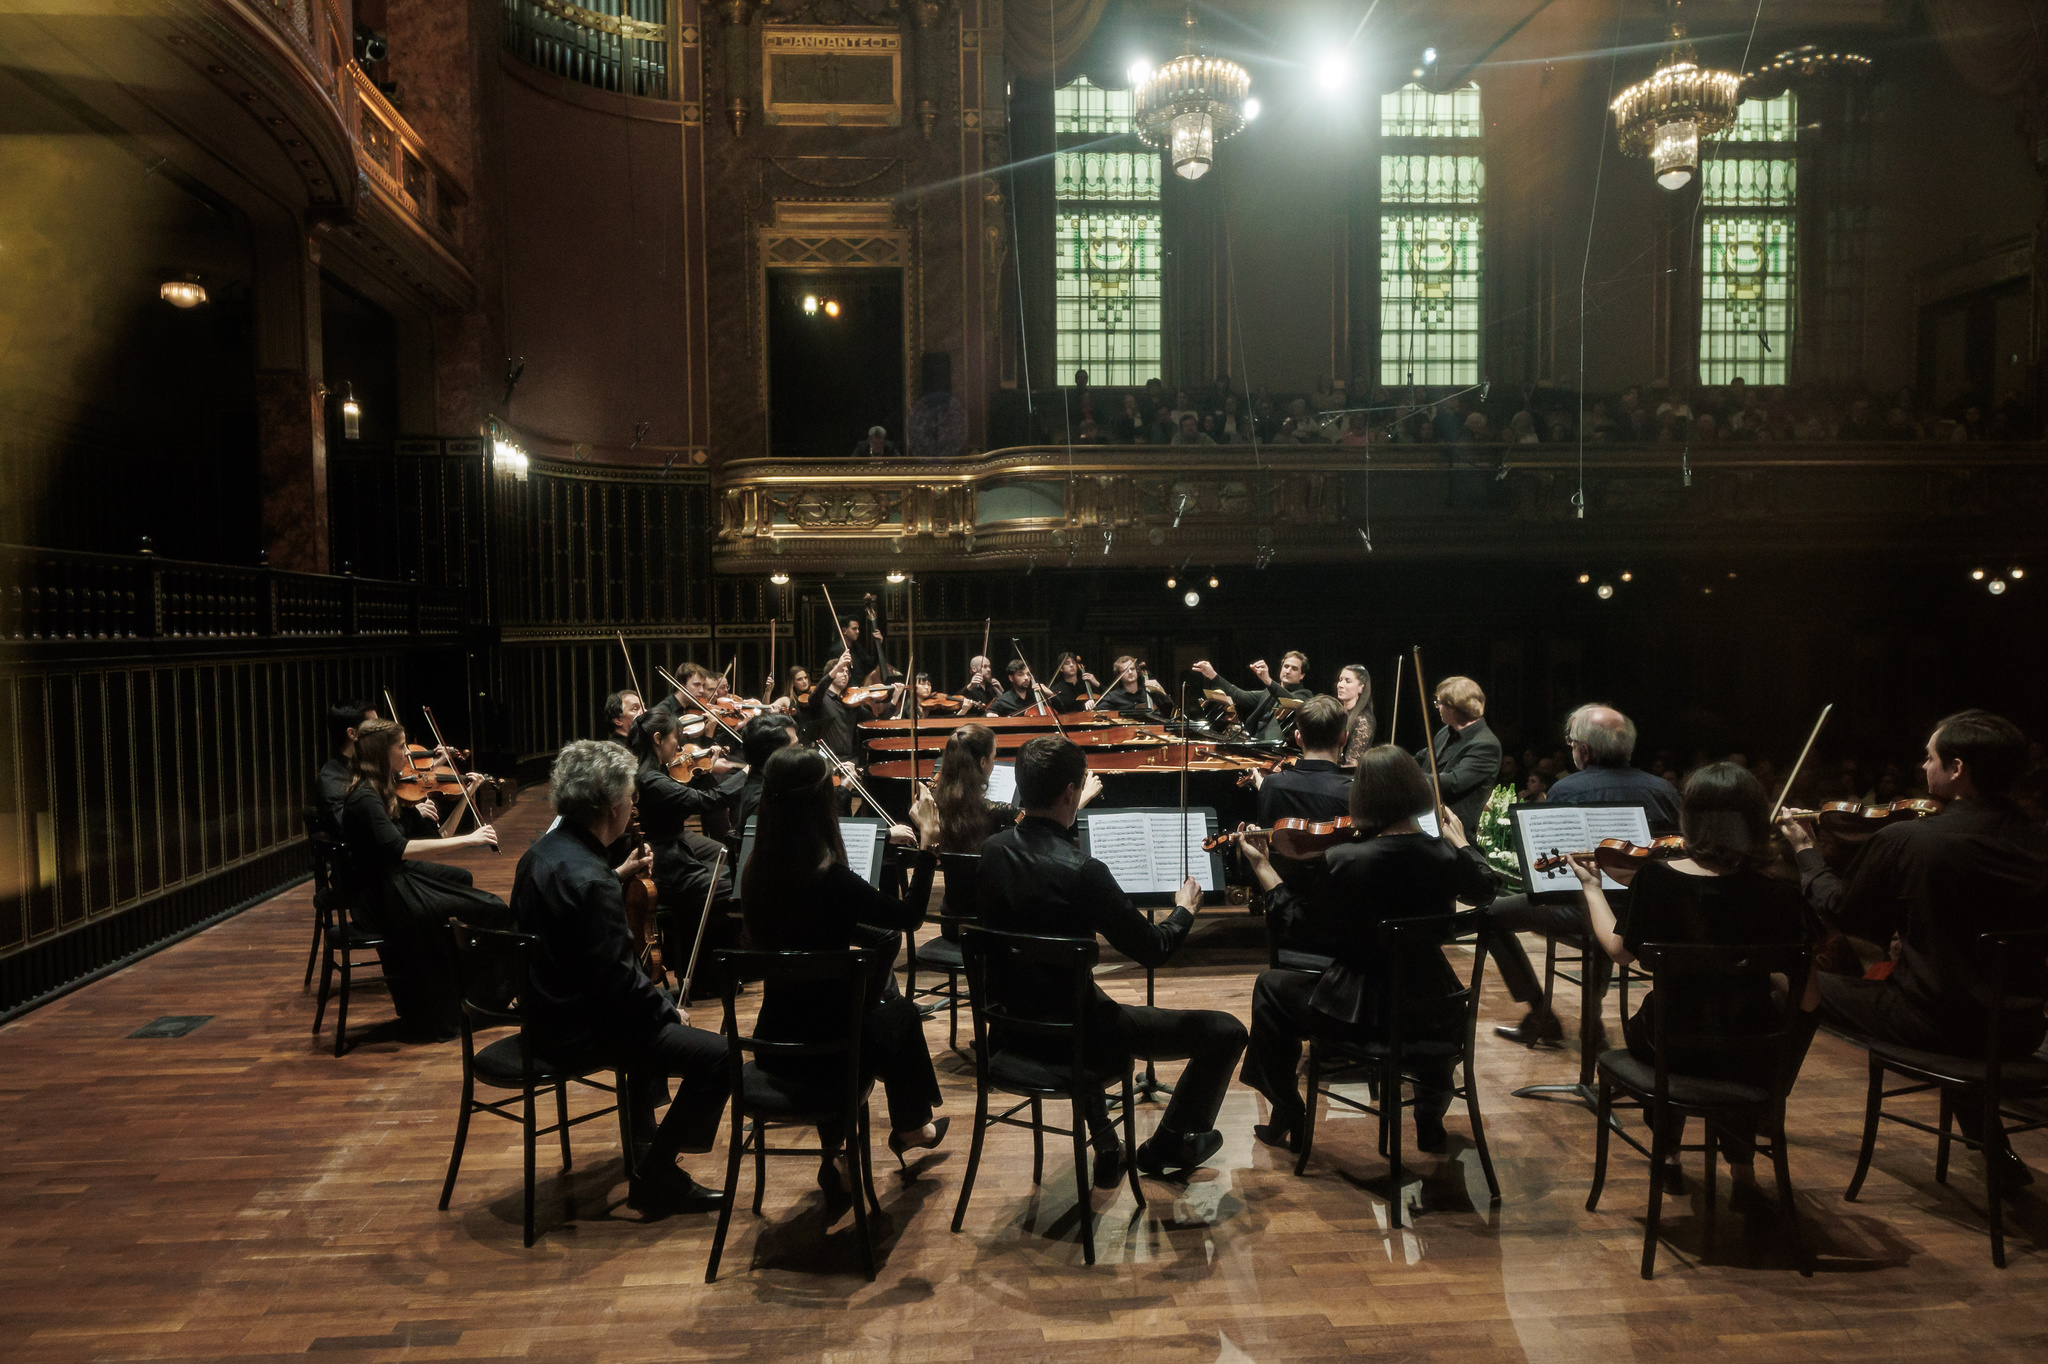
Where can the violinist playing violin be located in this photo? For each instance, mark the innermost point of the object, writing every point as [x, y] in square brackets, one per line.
[1260, 711]
[1979, 866]
[1603, 741]
[422, 819]
[671, 787]
[697, 682]
[1315, 787]
[833, 722]
[1023, 694]
[1131, 695]
[931, 703]
[621, 709]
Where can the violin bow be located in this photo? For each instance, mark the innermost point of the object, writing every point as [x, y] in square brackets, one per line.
[768, 692]
[986, 623]
[1394, 721]
[696, 948]
[1186, 745]
[852, 779]
[631, 674]
[412, 768]
[1429, 742]
[834, 610]
[684, 693]
[462, 804]
[1793, 775]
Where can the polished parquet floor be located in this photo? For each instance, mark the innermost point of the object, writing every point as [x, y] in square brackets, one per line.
[241, 1194]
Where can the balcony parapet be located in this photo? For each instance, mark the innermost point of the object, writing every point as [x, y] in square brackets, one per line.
[1135, 506]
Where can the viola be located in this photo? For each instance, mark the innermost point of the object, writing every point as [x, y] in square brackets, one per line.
[1853, 822]
[1292, 837]
[1618, 855]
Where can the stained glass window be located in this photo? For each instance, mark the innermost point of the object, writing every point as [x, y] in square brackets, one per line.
[1748, 246]
[1107, 228]
[1432, 197]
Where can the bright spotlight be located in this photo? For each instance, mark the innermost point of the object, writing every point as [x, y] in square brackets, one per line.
[810, 305]
[1428, 55]
[1605, 591]
[1976, 575]
[831, 307]
[1138, 72]
[2016, 573]
[1332, 71]
[1193, 598]
[1171, 583]
[779, 579]
[1251, 110]
[1585, 578]
[1213, 582]
[1996, 587]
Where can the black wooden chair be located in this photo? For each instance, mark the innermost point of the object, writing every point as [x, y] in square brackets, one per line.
[1390, 1066]
[1989, 1080]
[486, 960]
[337, 938]
[1056, 1023]
[1283, 954]
[1685, 971]
[327, 850]
[785, 1096]
[941, 956]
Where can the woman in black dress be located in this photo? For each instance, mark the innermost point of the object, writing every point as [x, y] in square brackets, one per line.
[799, 896]
[1354, 690]
[1394, 871]
[1717, 894]
[683, 859]
[409, 900]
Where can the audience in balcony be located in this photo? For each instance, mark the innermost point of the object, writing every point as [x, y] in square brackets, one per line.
[877, 445]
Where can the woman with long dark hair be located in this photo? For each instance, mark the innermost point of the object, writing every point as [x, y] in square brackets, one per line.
[799, 896]
[1354, 690]
[402, 896]
[1717, 893]
[1394, 871]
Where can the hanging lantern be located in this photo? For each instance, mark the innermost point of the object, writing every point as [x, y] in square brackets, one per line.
[1666, 116]
[1189, 105]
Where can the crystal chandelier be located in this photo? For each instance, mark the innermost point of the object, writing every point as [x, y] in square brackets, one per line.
[1189, 105]
[1665, 116]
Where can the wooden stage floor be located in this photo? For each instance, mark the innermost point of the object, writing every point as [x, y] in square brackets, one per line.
[241, 1194]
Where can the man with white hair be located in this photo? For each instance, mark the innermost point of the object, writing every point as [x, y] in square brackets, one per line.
[877, 445]
[1603, 741]
[589, 1005]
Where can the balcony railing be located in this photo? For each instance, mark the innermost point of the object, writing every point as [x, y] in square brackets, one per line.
[55, 597]
[396, 161]
[617, 45]
[1144, 505]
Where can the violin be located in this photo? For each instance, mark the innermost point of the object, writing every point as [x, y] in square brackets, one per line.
[691, 759]
[1618, 855]
[936, 702]
[1292, 837]
[863, 696]
[1853, 822]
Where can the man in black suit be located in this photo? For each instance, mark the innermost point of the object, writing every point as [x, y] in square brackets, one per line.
[589, 1005]
[1467, 754]
[1603, 741]
[1316, 788]
[1260, 712]
[1034, 879]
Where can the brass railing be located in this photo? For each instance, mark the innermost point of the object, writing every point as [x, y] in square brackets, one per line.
[617, 45]
[50, 598]
[396, 162]
[1144, 505]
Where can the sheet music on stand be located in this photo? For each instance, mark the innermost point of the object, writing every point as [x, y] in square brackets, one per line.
[864, 839]
[1142, 849]
[1002, 783]
[1540, 829]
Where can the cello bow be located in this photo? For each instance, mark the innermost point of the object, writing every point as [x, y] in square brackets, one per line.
[1429, 742]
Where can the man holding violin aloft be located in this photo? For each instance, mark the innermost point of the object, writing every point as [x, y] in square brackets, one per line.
[1260, 712]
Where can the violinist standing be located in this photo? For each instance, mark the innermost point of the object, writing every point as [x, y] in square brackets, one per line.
[1602, 740]
[1260, 711]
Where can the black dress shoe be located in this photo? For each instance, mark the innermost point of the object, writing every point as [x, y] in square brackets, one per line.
[674, 1191]
[2012, 1172]
[1164, 1155]
[1534, 1028]
[1287, 1138]
[1109, 1166]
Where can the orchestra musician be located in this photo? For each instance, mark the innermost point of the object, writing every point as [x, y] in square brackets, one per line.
[925, 692]
[834, 723]
[683, 858]
[1260, 712]
[697, 681]
[1354, 691]
[1979, 866]
[800, 896]
[1315, 787]
[1603, 741]
[1022, 694]
[588, 1003]
[1034, 879]
[960, 789]
[1071, 683]
[1395, 871]
[621, 709]
[397, 893]
[863, 641]
[1467, 753]
[1131, 697]
[981, 688]
[759, 738]
[331, 782]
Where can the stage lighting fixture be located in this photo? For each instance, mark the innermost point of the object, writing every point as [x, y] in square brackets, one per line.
[1213, 582]
[895, 577]
[1628, 577]
[2016, 573]
[351, 416]
[1604, 591]
[1172, 583]
[1976, 575]
[1585, 578]
[1996, 587]
[810, 305]
[779, 579]
[831, 307]
[183, 293]
[1428, 56]
[1332, 71]
[1193, 598]
[1251, 110]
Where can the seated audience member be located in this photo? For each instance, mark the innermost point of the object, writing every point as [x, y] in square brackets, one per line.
[876, 446]
[1980, 866]
[398, 894]
[1394, 871]
[1034, 879]
[588, 1002]
[800, 896]
[1603, 741]
[1717, 894]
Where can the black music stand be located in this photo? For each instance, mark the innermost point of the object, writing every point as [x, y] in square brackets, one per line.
[1149, 1086]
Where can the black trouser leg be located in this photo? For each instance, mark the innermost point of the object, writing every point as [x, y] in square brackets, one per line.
[1280, 1021]
[1208, 1040]
[695, 1057]
[1519, 914]
[893, 1050]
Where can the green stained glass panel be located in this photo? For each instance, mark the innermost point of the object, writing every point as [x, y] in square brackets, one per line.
[1747, 182]
[1106, 308]
[1420, 179]
[1413, 111]
[1765, 120]
[1429, 297]
[1746, 273]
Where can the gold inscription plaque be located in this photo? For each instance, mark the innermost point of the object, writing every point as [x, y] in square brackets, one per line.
[832, 76]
